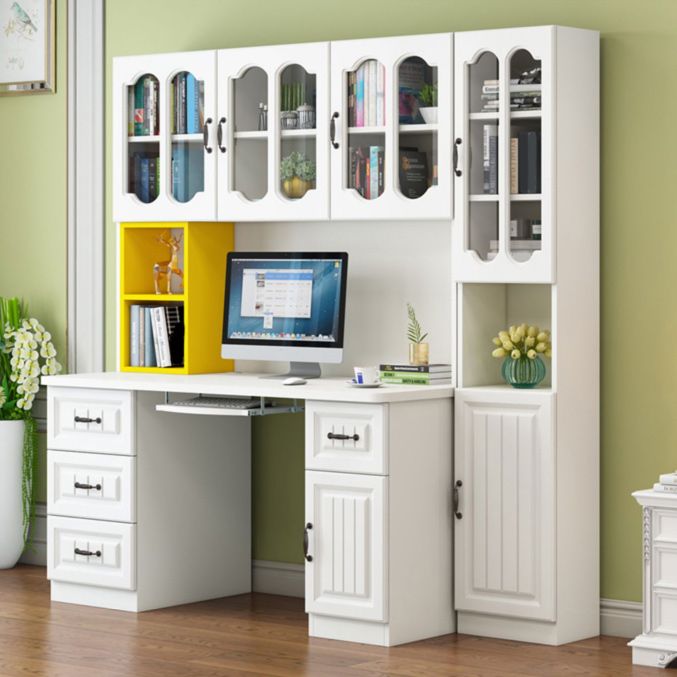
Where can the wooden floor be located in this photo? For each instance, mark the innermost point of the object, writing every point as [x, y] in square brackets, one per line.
[251, 635]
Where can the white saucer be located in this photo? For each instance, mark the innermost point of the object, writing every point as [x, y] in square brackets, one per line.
[355, 384]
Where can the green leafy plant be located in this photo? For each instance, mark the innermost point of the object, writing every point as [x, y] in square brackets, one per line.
[414, 331]
[297, 164]
[428, 95]
[26, 353]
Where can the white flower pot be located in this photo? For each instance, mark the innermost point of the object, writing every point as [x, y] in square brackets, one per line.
[11, 510]
[429, 115]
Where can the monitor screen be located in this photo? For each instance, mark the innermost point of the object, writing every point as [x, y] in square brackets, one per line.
[285, 299]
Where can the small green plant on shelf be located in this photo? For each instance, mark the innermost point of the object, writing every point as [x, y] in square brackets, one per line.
[297, 173]
[418, 349]
[428, 95]
[521, 347]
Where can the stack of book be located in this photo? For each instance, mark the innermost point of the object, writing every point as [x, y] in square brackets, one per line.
[525, 162]
[187, 96]
[366, 95]
[366, 170]
[187, 170]
[523, 96]
[156, 336]
[144, 175]
[143, 118]
[416, 374]
[667, 483]
[490, 159]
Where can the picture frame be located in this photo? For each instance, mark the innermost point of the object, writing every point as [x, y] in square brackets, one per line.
[27, 41]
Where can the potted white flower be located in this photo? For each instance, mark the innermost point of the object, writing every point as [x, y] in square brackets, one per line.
[26, 353]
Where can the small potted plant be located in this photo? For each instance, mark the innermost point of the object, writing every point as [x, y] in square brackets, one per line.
[26, 353]
[428, 99]
[297, 174]
[521, 347]
[419, 352]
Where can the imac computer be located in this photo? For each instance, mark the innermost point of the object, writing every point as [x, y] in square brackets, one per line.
[285, 307]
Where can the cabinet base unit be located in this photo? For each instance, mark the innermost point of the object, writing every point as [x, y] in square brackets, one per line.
[378, 546]
[653, 651]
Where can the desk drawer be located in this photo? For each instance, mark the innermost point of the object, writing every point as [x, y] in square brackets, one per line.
[347, 437]
[83, 419]
[91, 552]
[95, 486]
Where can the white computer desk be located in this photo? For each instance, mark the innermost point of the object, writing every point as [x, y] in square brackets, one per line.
[150, 508]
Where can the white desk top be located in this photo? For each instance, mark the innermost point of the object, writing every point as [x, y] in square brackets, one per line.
[250, 385]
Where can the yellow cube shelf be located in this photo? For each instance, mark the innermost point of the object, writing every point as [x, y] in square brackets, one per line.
[202, 257]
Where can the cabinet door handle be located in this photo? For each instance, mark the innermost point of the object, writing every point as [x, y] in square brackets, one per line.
[205, 135]
[86, 419]
[219, 135]
[332, 130]
[87, 553]
[457, 499]
[79, 485]
[457, 143]
[309, 558]
[341, 436]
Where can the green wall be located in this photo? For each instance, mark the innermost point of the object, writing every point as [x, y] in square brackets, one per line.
[639, 60]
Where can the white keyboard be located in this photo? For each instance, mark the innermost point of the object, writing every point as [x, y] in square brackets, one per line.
[220, 402]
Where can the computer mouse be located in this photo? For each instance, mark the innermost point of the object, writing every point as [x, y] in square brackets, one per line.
[294, 381]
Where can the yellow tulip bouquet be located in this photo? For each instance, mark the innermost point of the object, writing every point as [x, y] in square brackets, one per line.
[522, 347]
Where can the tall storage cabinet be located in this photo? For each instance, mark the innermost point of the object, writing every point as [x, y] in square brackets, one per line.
[527, 461]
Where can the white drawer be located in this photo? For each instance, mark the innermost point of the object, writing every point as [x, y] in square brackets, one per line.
[83, 419]
[347, 437]
[95, 486]
[112, 559]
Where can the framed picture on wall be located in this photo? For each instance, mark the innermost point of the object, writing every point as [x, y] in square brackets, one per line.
[26, 46]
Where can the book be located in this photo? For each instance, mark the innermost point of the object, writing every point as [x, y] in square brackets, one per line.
[668, 478]
[192, 105]
[380, 95]
[142, 337]
[144, 195]
[665, 488]
[413, 173]
[373, 172]
[373, 68]
[359, 100]
[130, 111]
[490, 159]
[415, 376]
[138, 107]
[416, 368]
[412, 381]
[533, 162]
[148, 342]
[160, 330]
[156, 343]
[514, 165]
[152, 178]
[175, 333]
[134, 335]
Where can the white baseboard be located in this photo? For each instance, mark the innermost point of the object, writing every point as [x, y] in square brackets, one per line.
[619, 618]
[36, 550]
[278, 578]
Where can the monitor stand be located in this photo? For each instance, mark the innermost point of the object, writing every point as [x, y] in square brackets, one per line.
[300, 369]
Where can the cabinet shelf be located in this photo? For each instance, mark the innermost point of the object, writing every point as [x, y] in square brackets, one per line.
[368, 130]
[155, 138]
[418, 129]
[155, 298]
[526, 197]
[298, 133]
[482, 197]
[525, 115]
[194, 138]
[255, 135]
[483, 116]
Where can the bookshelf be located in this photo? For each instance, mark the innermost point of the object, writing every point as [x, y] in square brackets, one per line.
[202, 257]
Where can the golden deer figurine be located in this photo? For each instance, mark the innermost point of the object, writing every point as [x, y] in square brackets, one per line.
[164, 270]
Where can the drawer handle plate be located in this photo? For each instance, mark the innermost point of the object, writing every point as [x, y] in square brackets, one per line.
[87, 553]
[341, 436]
[79, 485]
[86, 419]
[309, 558]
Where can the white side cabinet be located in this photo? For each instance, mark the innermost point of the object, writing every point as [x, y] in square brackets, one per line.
[378, 521]
[657, 645]
[144, 509]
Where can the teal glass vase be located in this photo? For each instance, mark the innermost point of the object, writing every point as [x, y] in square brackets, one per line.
[523, 372]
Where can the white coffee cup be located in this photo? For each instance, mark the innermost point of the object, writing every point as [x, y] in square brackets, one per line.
[366, 375]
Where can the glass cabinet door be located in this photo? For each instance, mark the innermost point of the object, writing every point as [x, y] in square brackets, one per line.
[391, 108]
[503, 226]
[273, 126]
[164, 168]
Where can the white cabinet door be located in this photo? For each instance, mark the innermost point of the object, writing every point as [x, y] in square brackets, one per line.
[504, 226]
[505, 526]
[388, 161]
[346, 574]
[275, 169]
[164, 164]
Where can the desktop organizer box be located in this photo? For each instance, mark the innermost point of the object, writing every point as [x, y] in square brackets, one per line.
[203, 250]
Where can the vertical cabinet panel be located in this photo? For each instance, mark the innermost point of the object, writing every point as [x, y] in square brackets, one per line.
[164, 165]
[504, 122]
[272, 133]
[347, 576]
[505, 541]
[390, 153]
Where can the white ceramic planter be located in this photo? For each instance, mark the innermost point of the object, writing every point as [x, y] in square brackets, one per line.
[429, 115]
[11, 512]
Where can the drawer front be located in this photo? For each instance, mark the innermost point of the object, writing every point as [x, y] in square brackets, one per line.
[91, 552]
[95, 486]
[347, 437]
[83, 419]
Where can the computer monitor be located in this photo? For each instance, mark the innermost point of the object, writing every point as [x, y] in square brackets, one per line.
[285, 306]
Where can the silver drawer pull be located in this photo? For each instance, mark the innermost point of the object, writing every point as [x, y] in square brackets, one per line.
[79, 485]
[87, 553]
[86, 419]
[340, 436]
